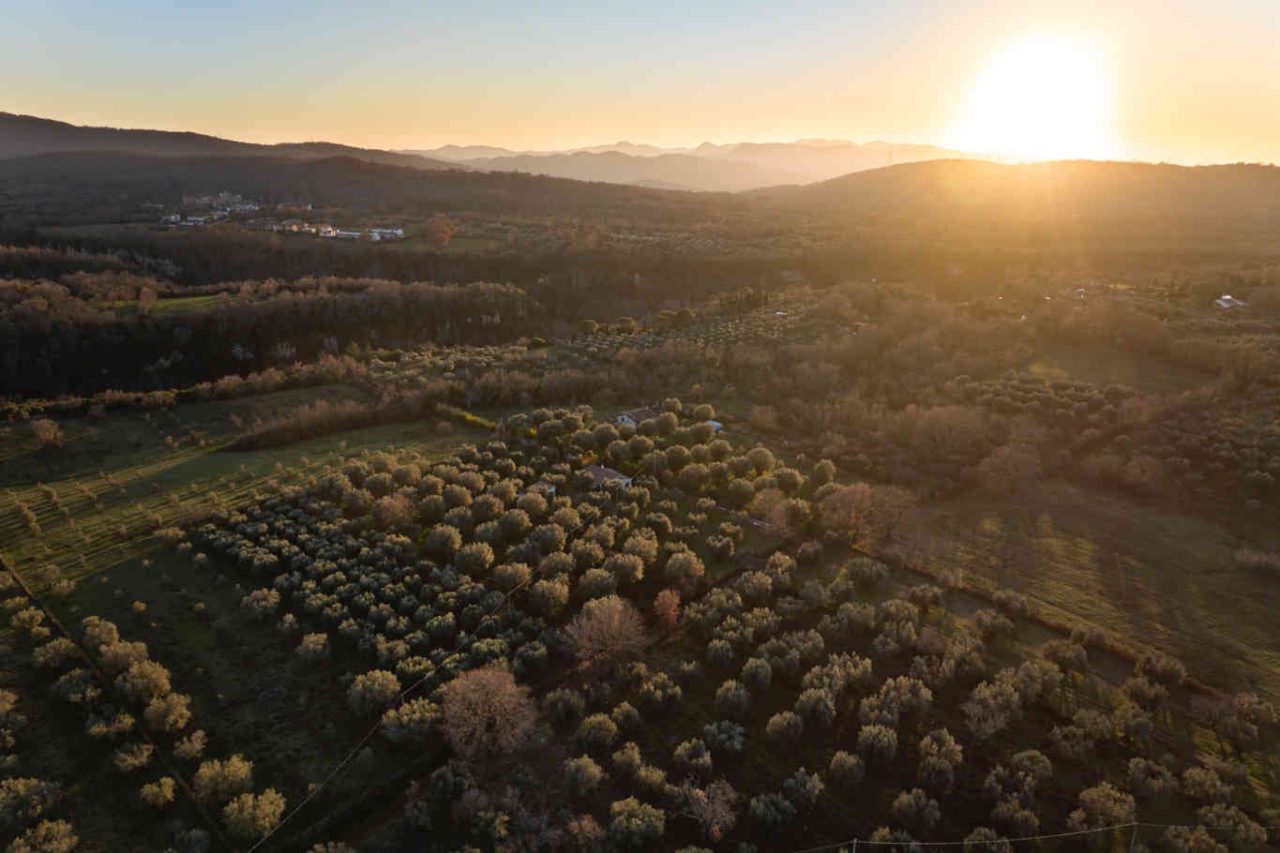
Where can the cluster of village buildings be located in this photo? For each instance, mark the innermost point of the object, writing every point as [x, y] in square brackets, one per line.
[225, 206]
[331, 232]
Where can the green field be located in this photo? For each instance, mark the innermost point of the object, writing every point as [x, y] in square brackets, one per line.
[1151, 576]
[171, 303]
[120, 479]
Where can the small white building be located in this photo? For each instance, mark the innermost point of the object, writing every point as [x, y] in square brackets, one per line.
[602, 477]
[633, 417]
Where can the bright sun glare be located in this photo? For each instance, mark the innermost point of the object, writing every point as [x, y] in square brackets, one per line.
[1041, 98]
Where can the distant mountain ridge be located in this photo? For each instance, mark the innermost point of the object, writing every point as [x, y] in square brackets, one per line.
[729, 167]
[1078, 209]
[25, 136]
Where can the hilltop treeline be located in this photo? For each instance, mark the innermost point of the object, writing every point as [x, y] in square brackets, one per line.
[53, 341]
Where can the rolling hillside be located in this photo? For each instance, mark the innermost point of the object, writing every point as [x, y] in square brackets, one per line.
[110, 187]
[24, 136]
[1234, 208]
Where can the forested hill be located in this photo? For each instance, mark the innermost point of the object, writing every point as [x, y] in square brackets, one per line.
[22, 136]
[99, 186]
[1085, 209]
[1093, 204]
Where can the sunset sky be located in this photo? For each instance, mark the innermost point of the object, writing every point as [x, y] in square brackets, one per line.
[1178, 80]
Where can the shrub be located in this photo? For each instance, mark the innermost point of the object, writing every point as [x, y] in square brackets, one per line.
[443, 541]
[509, 576]
[877, 743]
[1233, 826]
[411, 722]
[169, 713]
[693, 758]
[144, 681]
[757, 674]
[785, 728]
[133, 757]
[817, 707]
[313, 647]
[55, 654]
[626, 716]
[251, 816]
[597, 583]
[373, 691]
[192, 746]
[733, 699]
[1100, 806]
[549, 597]
[634, 825]
[217, 781]
[393, 512]
[1149, 778]
[1205, 786]
[684, 570]
[558, 564]
[597, 732]
[916, 808]
[23, 800]
[48, 836]
[771, 812]
[724, 736]
[584, 833]
[564, 706]
[846, 770]
[940, 754]
[802, 789]
[985, 840]
[582, 775]
[159, 793]
[47, 434]
[1161, 669]
[474, 559]
[720, 653]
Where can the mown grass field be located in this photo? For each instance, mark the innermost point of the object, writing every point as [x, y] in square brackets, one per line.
[172, 303]
[99, 500]
[1150, 576]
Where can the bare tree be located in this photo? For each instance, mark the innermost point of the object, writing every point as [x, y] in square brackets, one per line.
[484, 712]
[607, 629]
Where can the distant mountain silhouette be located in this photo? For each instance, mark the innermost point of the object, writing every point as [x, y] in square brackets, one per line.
[731, 167]
[682, 171]
[23, 136]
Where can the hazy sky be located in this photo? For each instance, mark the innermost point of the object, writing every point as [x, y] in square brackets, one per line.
[1181, 80]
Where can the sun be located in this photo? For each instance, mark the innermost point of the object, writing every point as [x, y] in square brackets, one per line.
[1041, 98]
